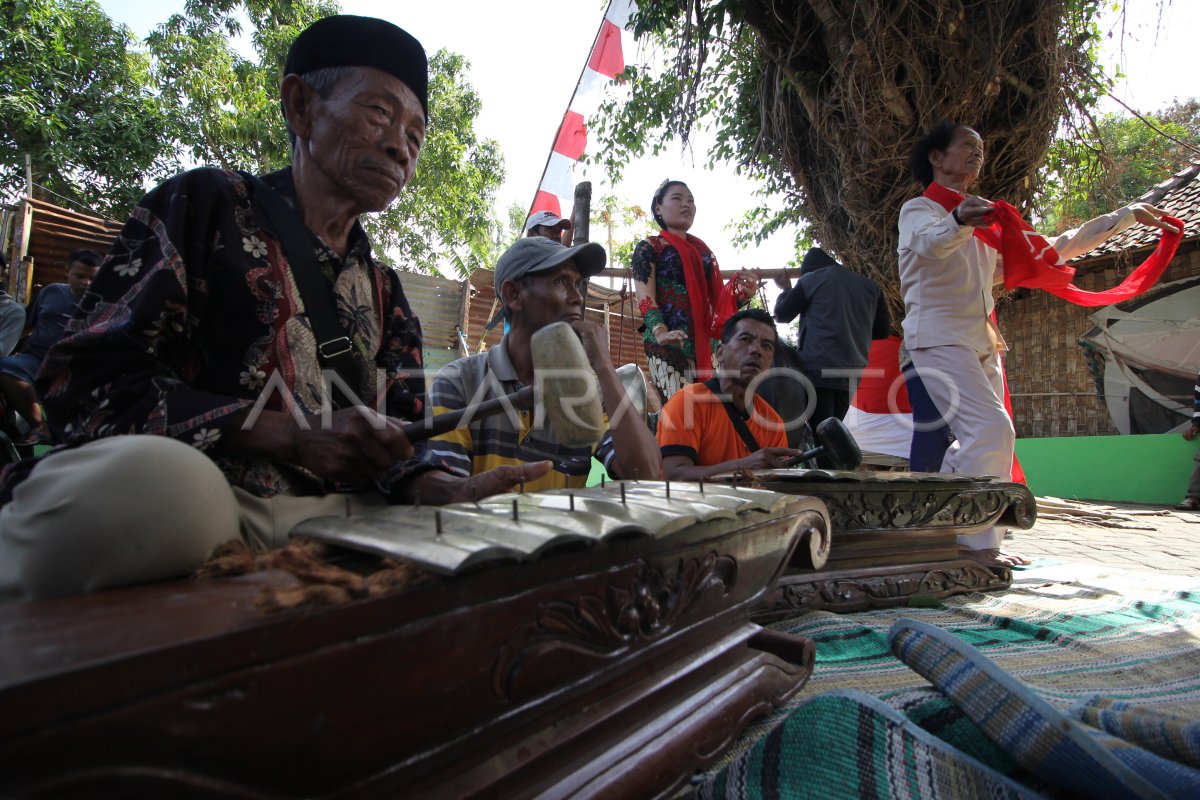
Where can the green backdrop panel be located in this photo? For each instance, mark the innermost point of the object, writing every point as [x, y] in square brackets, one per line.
[1150, 469]
[598, 472]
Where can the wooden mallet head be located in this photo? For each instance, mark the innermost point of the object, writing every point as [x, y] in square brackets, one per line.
[565, 390]
[837, 443]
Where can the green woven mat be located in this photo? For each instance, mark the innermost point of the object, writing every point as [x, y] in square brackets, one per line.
[1067, 630]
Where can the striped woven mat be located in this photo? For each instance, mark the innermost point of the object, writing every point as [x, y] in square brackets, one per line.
[867, 725]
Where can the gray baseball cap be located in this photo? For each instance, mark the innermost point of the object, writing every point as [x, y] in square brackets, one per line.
[538, 254]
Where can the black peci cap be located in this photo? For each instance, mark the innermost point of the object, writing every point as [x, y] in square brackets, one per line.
[349, 41]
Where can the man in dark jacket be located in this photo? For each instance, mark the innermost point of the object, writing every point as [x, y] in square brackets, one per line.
[840, 313]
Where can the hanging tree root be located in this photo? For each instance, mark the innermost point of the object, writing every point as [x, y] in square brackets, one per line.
[848, 87]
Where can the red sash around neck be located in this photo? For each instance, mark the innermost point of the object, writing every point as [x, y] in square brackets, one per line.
[1031, 262]
[708, 317]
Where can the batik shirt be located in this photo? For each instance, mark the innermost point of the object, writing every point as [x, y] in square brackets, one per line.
[194, 316]
[656, 258]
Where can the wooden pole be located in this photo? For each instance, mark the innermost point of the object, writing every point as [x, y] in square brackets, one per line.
[581, 224]
[18, 270]
[25, 281]
[464, 316]
[581, 214]
[483, 334]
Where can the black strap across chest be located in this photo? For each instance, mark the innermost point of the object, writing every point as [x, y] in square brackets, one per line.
[735, 416]
[333, 345]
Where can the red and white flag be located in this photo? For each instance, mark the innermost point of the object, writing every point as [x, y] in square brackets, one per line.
[557, 187]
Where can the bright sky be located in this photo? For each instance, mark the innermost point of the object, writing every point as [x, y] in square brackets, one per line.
[524, 65]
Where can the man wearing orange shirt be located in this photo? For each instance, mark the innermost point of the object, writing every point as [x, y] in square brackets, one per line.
[719, 426]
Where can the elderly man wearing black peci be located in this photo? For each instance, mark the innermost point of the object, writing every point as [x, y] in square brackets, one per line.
[209, 334]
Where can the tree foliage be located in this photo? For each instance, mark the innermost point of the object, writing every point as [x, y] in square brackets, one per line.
[231, 116]
[507, 231]
[104, 119]
[226, 105]
[699, 88]
[1123, 159]
[619, 227]
[446, 215]
[76, 98]
[821, 101]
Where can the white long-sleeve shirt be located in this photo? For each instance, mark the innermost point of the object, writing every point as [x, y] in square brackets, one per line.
[946, 274]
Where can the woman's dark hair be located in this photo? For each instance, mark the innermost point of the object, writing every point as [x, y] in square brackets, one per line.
[937, 139]
[659, 194]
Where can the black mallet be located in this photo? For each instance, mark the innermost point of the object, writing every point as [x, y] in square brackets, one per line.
[836, 443]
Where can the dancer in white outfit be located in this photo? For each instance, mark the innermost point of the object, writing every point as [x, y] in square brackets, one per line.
[946, 277]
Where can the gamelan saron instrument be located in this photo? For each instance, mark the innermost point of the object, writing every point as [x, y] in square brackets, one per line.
[584, 643]
[893, 537]
[452, 539]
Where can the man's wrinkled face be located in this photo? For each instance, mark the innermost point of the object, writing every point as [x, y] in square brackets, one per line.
[366, 136]
[963, 158]
[749, 351]
[551, 296]
[80, 277]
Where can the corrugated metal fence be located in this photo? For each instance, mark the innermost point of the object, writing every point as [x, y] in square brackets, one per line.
[53, 233]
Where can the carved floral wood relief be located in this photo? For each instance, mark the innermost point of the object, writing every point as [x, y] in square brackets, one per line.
[630, 612]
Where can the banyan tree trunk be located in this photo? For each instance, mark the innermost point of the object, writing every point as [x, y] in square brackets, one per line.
[849, 85]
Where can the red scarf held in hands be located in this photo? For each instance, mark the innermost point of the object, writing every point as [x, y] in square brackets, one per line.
[1030, 261]
[708, 317]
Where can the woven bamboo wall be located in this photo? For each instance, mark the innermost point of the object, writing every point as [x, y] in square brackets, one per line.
[1052, 391]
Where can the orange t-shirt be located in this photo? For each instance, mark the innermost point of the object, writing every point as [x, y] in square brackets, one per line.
[694, 423]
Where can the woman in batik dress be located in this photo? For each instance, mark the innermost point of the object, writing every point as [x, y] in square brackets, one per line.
[680, 295]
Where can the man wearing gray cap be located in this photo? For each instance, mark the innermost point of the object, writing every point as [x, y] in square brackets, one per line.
[548, 225]
[225, 309]
[538, 282]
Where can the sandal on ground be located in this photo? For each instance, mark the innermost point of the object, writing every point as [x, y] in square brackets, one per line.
[1189, 504]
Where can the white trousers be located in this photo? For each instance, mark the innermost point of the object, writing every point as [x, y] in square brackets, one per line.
[133, 509]
[968, 389]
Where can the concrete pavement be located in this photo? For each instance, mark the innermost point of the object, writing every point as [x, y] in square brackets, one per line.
[1145, 538]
